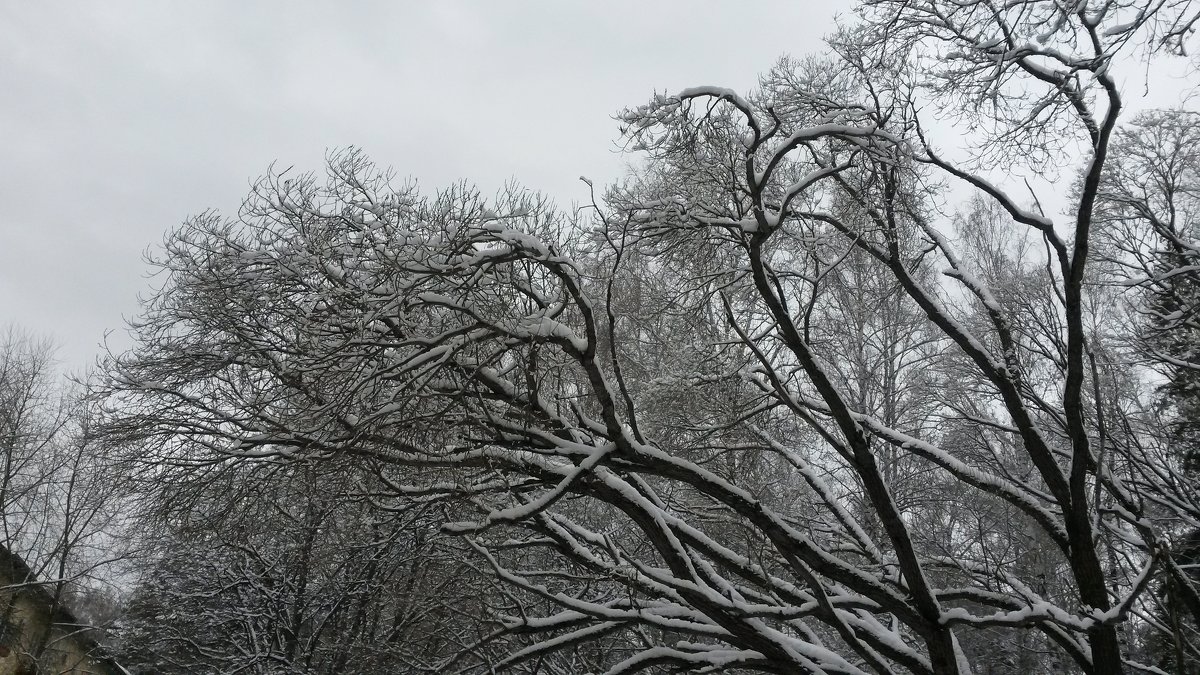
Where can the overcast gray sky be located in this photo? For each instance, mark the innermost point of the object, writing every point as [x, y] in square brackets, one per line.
[120, 119]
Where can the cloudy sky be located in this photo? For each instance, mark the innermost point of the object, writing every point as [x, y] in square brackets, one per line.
[120, 119]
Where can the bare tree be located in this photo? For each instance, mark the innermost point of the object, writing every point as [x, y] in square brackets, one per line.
[292, 569]
[1149, 229]
[59, 500]
[756, 410]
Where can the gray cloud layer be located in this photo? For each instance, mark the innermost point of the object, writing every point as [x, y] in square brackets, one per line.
[119, 119]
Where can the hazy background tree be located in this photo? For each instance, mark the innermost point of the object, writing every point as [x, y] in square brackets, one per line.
[1151, 224]
[60, 494]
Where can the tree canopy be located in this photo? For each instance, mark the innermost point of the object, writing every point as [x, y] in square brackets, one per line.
[808, 391]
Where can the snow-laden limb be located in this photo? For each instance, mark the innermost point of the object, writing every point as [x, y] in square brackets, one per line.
[729, 418]
[692, 657]
[543, 502]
